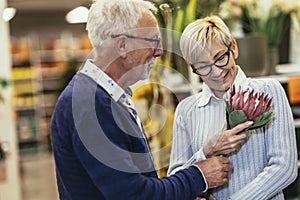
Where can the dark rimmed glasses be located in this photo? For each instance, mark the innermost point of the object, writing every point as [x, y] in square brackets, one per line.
[156, 40]
[220, 62]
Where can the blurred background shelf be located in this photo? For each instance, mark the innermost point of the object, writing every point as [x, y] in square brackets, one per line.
[42, 66]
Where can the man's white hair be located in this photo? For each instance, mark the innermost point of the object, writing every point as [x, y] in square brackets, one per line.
[108, 17]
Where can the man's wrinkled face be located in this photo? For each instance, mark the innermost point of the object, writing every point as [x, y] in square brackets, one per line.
[145, 47]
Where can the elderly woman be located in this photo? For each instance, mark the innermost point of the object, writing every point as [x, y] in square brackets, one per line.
[267, 162]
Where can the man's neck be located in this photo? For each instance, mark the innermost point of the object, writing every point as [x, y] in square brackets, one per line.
[114, 71]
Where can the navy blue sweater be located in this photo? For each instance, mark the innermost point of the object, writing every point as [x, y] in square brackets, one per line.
[100, 152]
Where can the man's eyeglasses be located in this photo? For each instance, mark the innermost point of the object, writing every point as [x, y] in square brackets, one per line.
[221, 61]
[155, 40]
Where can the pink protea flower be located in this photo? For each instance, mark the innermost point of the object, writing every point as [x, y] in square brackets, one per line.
[248, 106]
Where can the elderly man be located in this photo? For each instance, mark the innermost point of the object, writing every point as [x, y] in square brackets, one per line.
[98, 142]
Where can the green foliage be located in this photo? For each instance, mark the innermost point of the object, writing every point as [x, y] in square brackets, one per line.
[256, 17]
[179, 21]
[191, 11]
[261, 120]
[235, 118]
[175, 15]
[184, 12]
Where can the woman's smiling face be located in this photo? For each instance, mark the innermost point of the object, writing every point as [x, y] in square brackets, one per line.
[219, 79]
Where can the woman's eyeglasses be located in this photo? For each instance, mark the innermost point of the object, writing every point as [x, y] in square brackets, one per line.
[221, 61]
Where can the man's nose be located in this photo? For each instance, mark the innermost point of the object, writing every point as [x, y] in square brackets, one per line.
[159, 51]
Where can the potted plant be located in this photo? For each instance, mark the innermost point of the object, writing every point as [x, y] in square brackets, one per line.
[258, 17]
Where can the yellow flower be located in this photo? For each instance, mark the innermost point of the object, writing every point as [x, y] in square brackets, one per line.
[142, 91]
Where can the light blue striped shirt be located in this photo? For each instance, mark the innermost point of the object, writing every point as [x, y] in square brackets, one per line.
[263, 166]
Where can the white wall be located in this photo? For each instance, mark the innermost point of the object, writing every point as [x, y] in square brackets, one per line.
[9, 189]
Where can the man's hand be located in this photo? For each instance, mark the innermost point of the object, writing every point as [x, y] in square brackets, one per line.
[205, 196]
[227, 141]
[215, 170]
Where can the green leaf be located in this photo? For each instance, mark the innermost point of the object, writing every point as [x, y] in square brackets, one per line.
[4, 82]
[236, 117]
[261, 120]
[227, 107]
[227, 111]
[179, 20]
[191, 11]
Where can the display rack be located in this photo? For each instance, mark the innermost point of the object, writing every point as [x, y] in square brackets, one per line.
[26, 97]
[41, 68]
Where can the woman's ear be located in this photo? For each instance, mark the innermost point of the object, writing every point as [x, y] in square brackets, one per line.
[235, 49]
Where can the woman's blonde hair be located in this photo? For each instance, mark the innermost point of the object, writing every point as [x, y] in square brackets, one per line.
[201, 34]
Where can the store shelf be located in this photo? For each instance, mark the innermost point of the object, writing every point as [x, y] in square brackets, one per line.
[26, 97]
[29, 142]
[21, 111]
[297, 123]
[284, 71]
[17, 81]
[39, 73]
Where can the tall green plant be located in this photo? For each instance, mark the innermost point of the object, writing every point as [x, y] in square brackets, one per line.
[182, 17]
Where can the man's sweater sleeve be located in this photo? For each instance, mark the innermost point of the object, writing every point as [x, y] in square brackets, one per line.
[115, 184]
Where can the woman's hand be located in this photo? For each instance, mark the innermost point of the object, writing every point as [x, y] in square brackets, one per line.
[227, 141]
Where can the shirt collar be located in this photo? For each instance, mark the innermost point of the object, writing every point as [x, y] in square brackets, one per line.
[207, 94]
[102, 79]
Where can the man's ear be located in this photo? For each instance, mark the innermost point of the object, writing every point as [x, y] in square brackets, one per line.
[235, 49]
[122, 46]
